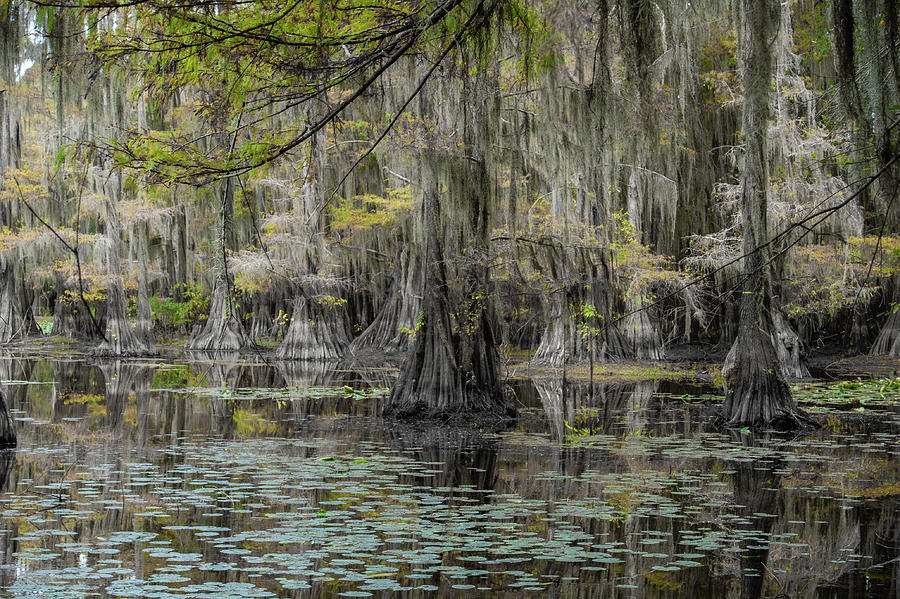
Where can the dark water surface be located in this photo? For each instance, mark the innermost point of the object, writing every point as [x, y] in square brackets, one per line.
[139, 479]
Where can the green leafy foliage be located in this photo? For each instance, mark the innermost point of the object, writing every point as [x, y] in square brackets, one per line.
[365, 212]
[256, 58]
[830, 277]
[168, 312]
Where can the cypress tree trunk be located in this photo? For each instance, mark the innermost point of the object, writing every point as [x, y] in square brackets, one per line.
[223, 330]
[788, 346]
[16, 317]
[452, 370]
[180, 244]
[144, 326]
[756, 392]
[120, 337]
[316, 332]
[72, 319]
[562, 342]
[11, 27]
[559, 341]
[887, 343]
[400, 310]
[642, 333]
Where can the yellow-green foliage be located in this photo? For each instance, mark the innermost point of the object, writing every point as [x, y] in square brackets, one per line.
[252, 282]
[365, 212]
[718, 67]
[26, 182]
[170, 313]
[96, 404]
[862, 251]
[829, 277]
[638, 270]
[812, 34]
[330, 302]
[73, 297]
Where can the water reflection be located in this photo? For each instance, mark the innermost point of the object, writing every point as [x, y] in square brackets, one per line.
[121, 380]
[464, 461]
[9, 394]
[756, 487]
[226, 478]
[7, 547]
[597, 408]
[13, 371]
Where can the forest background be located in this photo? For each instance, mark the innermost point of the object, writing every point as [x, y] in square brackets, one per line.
[443, 179]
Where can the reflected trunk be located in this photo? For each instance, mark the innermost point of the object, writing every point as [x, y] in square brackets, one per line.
[464, 460]
[756, 489]
[7, 428]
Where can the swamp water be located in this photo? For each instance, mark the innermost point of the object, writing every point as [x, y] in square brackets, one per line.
[139, 479]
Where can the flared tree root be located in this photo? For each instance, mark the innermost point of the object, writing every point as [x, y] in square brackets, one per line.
[223, 330]
[756, 394]
[317, 332]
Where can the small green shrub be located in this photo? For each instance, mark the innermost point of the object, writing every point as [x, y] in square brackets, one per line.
[174, 314]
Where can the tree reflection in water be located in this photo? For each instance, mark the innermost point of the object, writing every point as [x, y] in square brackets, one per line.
[609, 514]
[595, 407]
[756, 490]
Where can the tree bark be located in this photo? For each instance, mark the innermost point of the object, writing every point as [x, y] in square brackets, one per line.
[223, 330]
[756, 392]
[71, 318]
[887, 343]
[144, 325]
[16, 317]
[562, 342]
[452, 371]
[395, 324]
[120, 337]
[641, 331]
[788, 346]
[180, 244]
[316, 332]
[11, 30]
